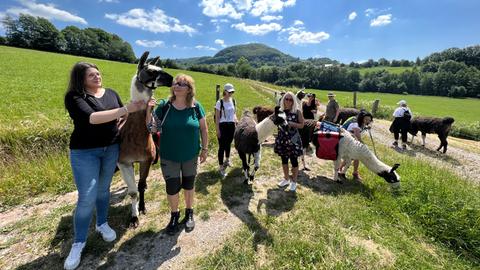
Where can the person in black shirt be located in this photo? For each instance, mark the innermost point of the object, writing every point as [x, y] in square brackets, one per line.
[94, 150]
[310, 107]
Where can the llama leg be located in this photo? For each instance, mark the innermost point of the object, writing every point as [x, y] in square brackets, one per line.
[424, 136]
[336, 167]
[257, 157]
[245, 166]
[128, 175]
[443, 143]
[142, 185]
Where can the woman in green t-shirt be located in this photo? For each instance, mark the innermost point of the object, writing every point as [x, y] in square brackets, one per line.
[181, 120]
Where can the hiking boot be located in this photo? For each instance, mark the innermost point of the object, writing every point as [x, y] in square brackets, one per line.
[356, 177]
[293, 186]
[284, 183]
[172, 226]
[73, 259]
[188, 220]
[108, 234]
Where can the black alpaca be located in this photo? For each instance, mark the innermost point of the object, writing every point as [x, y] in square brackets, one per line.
[440, 126]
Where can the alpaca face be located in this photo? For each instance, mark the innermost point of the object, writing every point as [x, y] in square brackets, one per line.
[279, 118]
[391, 176]
[151, 75]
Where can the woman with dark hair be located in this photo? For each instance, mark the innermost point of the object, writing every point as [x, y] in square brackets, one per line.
[310, 107]
[94, 149]
[356, 125]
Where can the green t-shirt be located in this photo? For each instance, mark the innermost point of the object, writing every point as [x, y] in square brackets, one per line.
[180, 139]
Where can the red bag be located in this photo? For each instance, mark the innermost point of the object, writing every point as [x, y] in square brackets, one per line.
[326, 144]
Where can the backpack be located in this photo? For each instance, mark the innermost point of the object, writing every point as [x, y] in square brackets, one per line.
[406, 115]
[222, 108]
[349, 121]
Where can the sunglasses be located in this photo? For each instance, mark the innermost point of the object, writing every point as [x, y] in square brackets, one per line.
[181, 84]
[288, 99]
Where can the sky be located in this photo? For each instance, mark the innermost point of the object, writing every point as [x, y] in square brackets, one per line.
[344, 30]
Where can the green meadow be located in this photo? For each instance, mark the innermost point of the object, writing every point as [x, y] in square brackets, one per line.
[432, 222]
[394, 70]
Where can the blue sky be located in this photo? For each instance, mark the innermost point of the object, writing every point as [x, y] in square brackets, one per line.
[345, 30]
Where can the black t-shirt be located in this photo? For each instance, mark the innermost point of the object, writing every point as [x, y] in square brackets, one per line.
[307, 110]
[86, 135]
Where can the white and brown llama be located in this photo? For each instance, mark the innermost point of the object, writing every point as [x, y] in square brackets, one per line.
[249, 136]
[349, 149]
[137, 144]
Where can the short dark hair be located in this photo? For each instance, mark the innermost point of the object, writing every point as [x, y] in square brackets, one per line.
[361, 115]
[77, 78]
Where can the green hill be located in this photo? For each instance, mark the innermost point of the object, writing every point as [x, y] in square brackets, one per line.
[257, 54]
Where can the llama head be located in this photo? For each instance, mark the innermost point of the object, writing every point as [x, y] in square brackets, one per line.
[301, 94]
[448, 120]
[279, 118]
[391, 176]
[151, 75]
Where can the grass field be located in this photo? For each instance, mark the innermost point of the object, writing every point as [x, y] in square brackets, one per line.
[433, 222]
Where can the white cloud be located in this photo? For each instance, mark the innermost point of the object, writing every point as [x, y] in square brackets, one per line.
[297, 35]
[297, 23]
[220, 42]
[381, 20]
[258, 29]
[352, 16]
[155, 21]
[261, 7]
[48, 11]
[269, 18]
[208, 48]
[109, 1]
[217, 8]
[305, 37]
[150, 43]
[369, 12]
[243, 4]
[375, 11]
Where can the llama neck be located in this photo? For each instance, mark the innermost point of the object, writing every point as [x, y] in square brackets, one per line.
[138, 91]
[265, 129]
[361, 152]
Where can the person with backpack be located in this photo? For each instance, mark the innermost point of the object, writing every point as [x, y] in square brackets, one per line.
[181, 121]
[401, 123]
[225, 121]
[356, 125]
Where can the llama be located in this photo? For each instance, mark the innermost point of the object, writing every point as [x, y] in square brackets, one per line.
[349, 149]
[345, 113]
[440, 126]
[249, 135]
[306, 133]
[262, 112]
[136, 142]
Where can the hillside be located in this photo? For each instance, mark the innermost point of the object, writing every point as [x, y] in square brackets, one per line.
[257, 54]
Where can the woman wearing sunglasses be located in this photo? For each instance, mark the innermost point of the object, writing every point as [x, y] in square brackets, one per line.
[181, 121]
[288, 144]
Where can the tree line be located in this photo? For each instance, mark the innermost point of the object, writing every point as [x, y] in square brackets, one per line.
[40, 34]
[453, 72]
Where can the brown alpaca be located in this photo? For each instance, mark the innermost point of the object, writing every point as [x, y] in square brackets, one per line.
[136, 142]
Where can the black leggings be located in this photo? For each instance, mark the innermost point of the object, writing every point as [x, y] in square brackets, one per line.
[400, 126]
[225, 141]
[293, 160]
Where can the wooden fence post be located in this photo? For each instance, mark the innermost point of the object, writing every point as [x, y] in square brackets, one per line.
[375, 106]
[217, 92]
[355, 99]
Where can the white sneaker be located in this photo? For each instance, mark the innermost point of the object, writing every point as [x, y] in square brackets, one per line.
[293, 186]
[107, 233]
[284, 183]
[222, 171]
[73, 259]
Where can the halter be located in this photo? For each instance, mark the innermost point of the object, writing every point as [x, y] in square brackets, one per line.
[145, 84]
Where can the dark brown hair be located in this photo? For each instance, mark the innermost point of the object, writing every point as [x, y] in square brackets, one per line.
[77, 78]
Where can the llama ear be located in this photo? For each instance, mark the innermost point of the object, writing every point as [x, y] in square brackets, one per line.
[154, 61]
[158, 63]
[277, 110]
[142, 60]
[394, 167]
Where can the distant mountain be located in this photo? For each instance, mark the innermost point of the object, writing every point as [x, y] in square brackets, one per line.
[257, 55]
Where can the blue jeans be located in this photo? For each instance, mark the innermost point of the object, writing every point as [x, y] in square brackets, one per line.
[93, 171]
